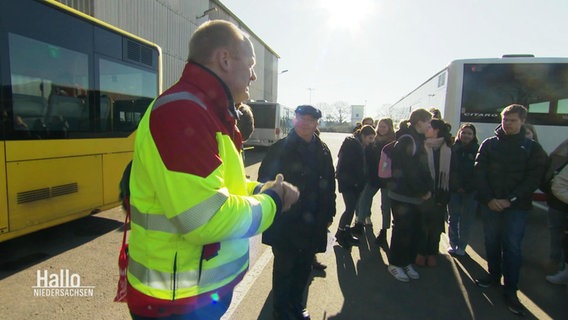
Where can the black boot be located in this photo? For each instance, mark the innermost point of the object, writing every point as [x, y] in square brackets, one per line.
[382, 237]
[350, 237]
[343, 237]
[358, 228]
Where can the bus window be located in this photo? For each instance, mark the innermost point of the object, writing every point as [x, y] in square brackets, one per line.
[129, 91]
[49, 93]
[487, 88]
[66, 76]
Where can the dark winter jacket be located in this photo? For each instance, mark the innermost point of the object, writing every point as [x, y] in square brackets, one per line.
[411, 178]
[509, 167]
[372, 157]
[461, 172]
[309, 167]
[351, 165]
[551, 199]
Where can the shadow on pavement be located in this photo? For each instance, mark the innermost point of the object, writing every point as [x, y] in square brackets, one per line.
[446, 291]
[25, 251]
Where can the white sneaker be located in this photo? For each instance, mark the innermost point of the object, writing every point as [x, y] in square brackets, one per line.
[561, 277]
[398, 273]
[411, 273]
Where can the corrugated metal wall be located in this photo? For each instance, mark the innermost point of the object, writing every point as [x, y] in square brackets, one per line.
[85, 6]
[169, 24]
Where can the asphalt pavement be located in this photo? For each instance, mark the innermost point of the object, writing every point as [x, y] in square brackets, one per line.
[355, 285]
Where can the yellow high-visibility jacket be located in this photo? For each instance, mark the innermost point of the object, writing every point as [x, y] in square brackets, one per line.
[192, 207]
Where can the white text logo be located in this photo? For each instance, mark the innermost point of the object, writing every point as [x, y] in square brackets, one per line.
[62, 284]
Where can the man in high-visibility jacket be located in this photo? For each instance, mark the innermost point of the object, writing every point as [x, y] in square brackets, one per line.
[192, 208]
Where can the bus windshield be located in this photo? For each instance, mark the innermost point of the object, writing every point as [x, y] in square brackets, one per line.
[541, 87]
[264, 115]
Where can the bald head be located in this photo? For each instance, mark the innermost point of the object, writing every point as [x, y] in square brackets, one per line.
[213, 35]
[226, 51]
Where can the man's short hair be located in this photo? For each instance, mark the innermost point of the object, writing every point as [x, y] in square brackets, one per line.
[246, 121]
[213, 35]
[515, 108]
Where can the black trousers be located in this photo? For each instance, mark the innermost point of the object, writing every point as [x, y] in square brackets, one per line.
[405, 233]
[350, 197]
[431, 226]
[290, 277]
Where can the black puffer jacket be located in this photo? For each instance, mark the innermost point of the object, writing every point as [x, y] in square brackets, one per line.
[509, 167]
[351, 165]
[373, 156]
[463, 160]
[304, 226]
[411, 178]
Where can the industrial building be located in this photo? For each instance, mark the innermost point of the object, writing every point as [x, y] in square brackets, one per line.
[170, 24]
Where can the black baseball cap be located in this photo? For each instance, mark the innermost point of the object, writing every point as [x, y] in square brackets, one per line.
[308, 110]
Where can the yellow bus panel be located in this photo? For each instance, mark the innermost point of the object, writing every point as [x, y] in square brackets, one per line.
[113, 167]
[40, 191]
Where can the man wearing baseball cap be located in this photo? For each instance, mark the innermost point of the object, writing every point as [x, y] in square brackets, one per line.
[305, 161]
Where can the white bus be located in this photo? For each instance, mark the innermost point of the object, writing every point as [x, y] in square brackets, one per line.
[272, 122]
[476, 90]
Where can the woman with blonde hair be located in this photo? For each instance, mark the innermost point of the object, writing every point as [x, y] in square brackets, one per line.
[385, 135]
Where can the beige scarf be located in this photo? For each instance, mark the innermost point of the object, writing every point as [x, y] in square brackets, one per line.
[432, 144]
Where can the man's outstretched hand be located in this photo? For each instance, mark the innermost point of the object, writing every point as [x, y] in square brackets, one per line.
[287, 192]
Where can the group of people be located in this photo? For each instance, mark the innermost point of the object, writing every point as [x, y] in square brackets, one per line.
[193, 208]
[437, 177]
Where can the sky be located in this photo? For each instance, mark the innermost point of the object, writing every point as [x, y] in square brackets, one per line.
[373, 52]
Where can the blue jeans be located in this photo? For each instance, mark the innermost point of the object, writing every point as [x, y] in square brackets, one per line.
[366, 200]
[557, 223]
[462, 212]
[504, 232]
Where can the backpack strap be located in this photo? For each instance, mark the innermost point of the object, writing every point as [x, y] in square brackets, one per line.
[126, 203]
[413, 142]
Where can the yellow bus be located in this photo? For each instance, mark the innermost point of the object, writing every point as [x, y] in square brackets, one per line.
[73, 90]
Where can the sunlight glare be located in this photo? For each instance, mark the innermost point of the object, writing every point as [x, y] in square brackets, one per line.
[349, 15]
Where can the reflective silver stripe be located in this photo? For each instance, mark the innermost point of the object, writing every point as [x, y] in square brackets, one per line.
[186, 279]
[256, 217]
[175, 97]
[157, 279]
[222, 272]
[186, 221]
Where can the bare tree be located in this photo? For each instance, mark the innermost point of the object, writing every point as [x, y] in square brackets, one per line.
[342, 111]
[384, 111]
[326, 111]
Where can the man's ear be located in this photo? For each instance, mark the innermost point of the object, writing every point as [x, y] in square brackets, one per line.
[223, 59]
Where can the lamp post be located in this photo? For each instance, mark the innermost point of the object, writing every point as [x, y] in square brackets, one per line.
[310, 90]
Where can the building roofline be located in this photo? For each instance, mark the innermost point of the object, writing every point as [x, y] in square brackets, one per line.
[244, 26]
